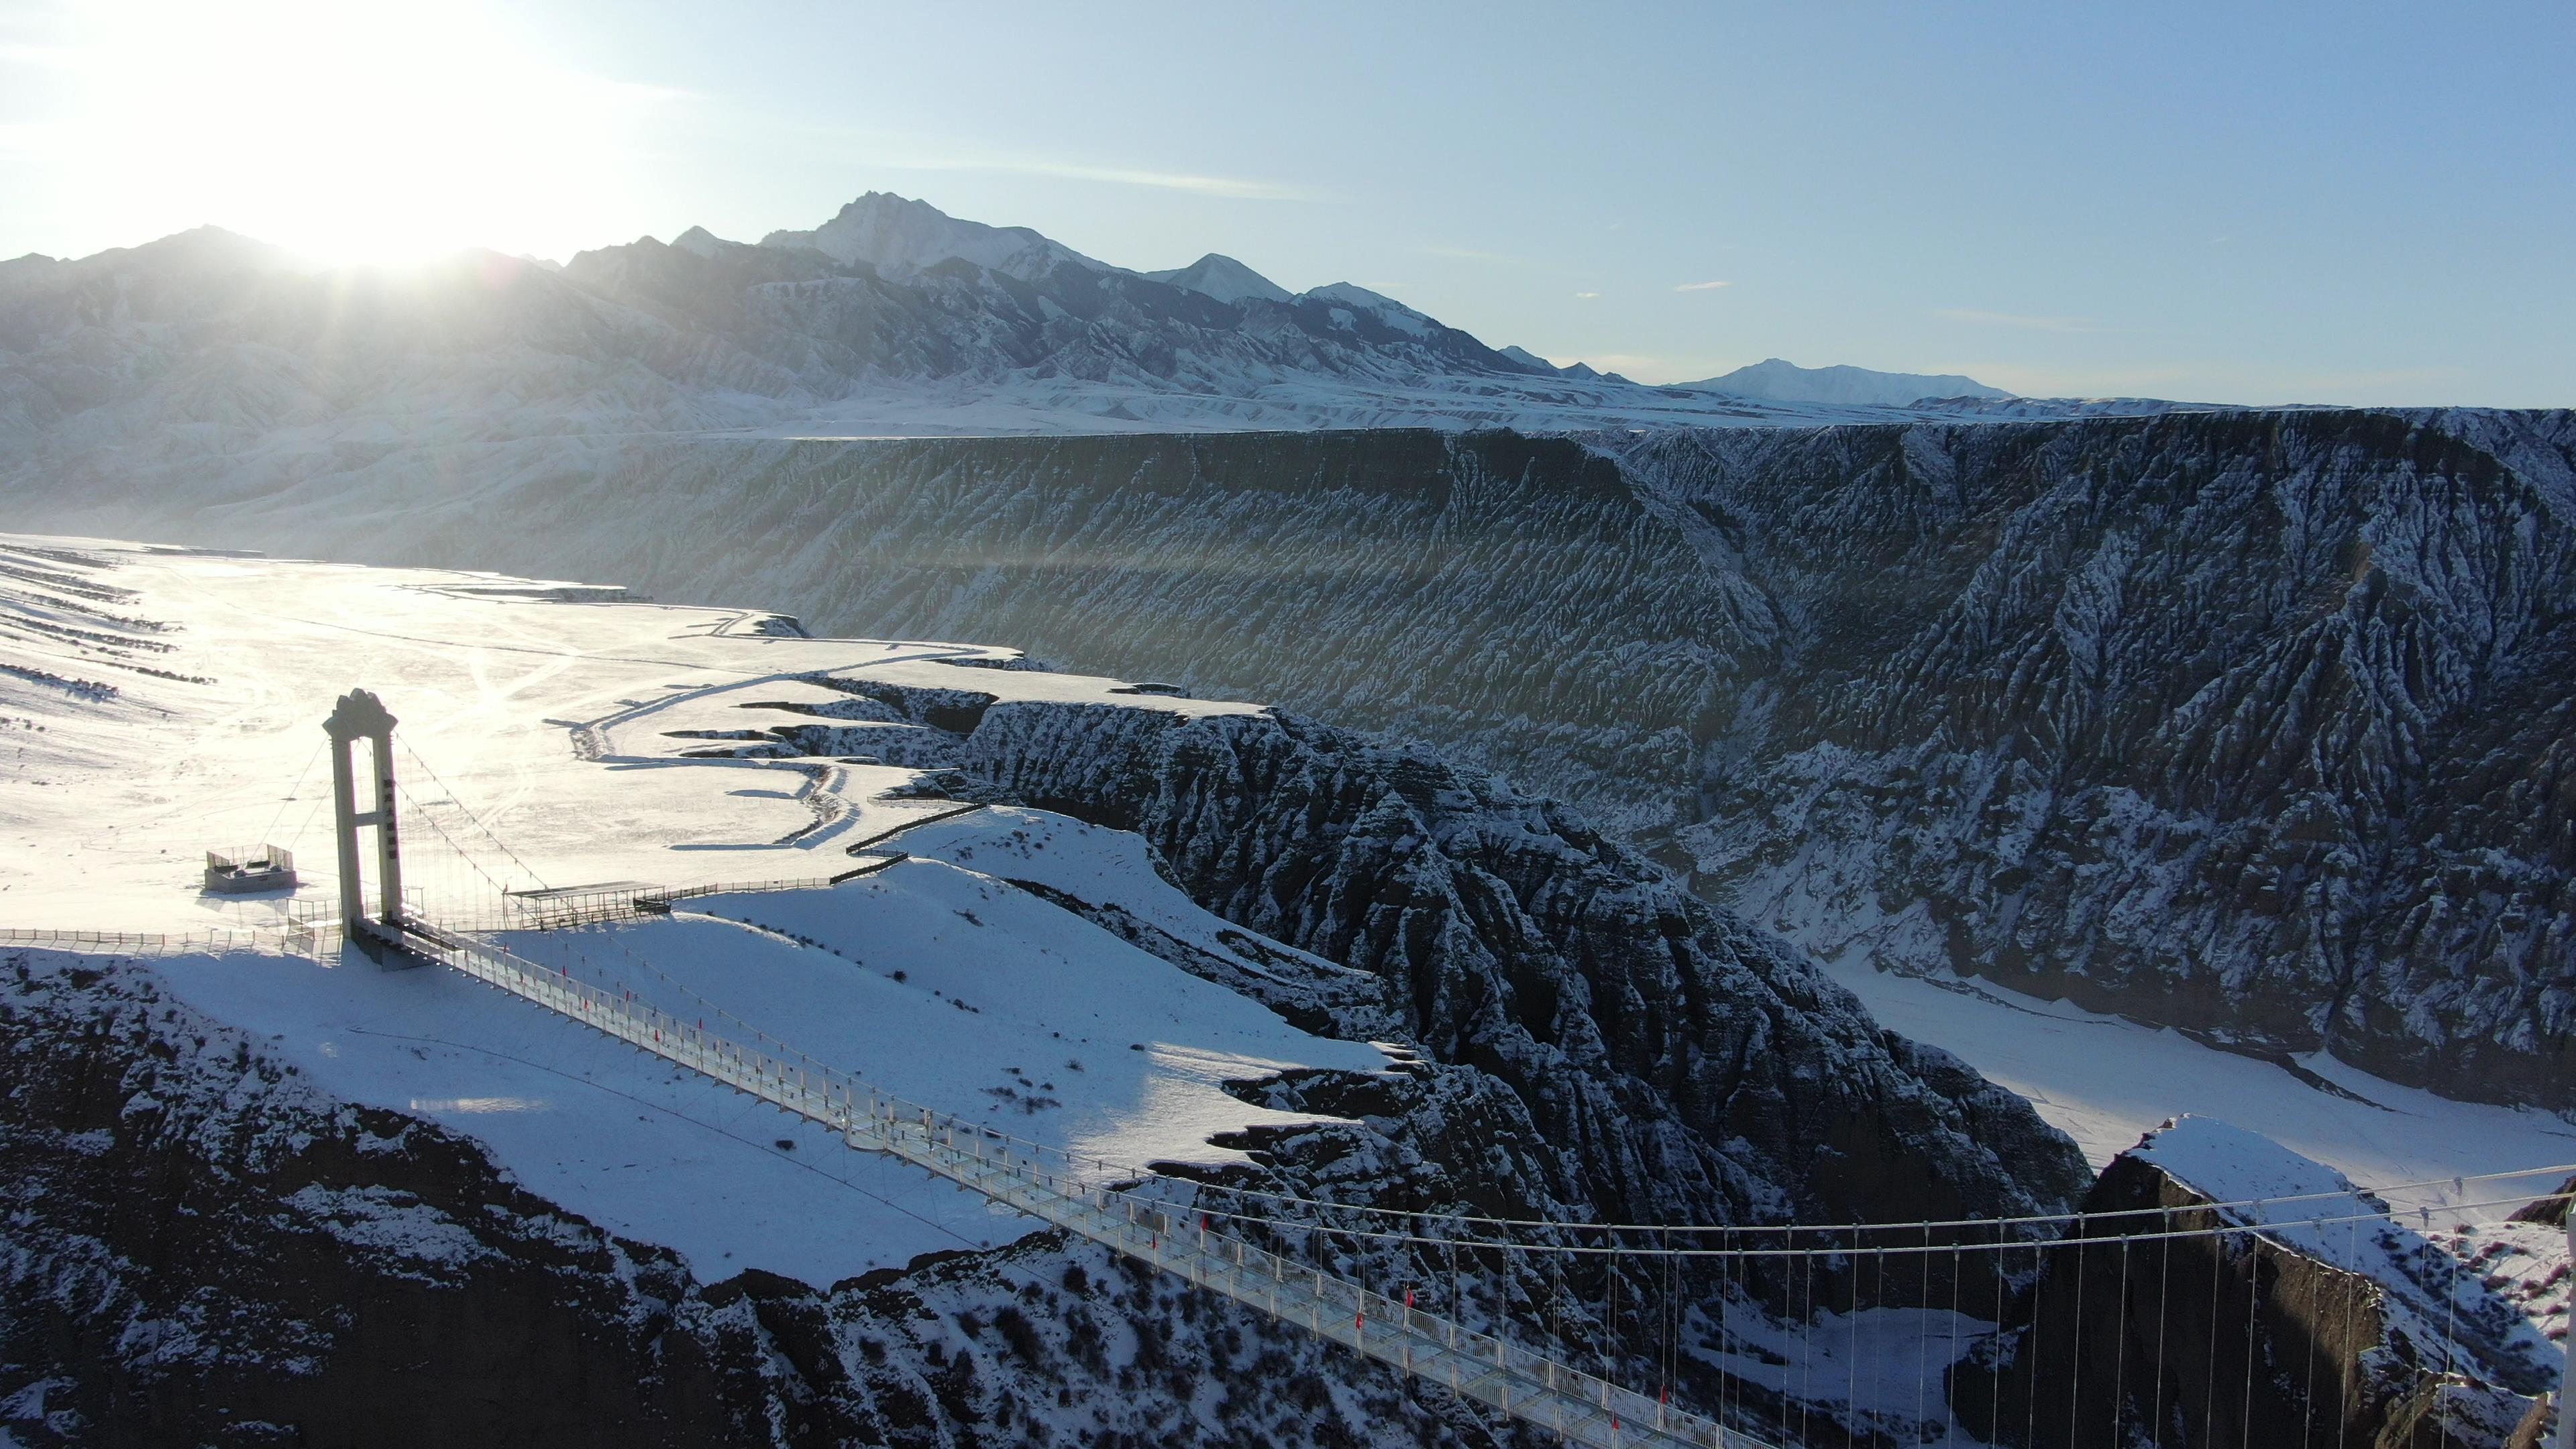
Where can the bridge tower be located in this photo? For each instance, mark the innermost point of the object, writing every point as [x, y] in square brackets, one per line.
[360, 715]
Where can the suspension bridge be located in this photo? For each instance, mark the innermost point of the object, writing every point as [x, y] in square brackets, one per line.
[1369, 1278]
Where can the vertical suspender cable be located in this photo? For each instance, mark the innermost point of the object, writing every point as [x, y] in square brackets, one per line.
[2253, 1280]
[2120, 1346]
[2209, 1402]
[2350, 1355]
[1852, 1393]
[2164, 1297]
[2030, 1399]
[2450, 1344]
[2075, 1348]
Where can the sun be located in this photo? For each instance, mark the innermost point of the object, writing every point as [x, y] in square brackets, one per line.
[349, 133]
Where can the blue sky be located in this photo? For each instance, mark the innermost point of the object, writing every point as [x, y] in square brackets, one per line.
[2231, 203]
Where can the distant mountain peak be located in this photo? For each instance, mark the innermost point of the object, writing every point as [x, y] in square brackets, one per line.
[1385, 308]
[901, 238]
[1779, 380]
[701, 241]
[1353, 294]
[1227, 280]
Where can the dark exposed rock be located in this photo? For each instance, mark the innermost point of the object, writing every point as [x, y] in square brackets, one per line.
[1513, 939]
[2245, 724]
[2238, 1340]
[2250, 723]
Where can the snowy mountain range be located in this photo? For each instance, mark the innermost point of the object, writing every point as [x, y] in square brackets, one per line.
[890, 318]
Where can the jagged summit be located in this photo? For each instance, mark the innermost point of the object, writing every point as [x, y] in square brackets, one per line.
[1385, 308]
[1779, 380]
[1222, 277]
[701, 241]
[900, 237]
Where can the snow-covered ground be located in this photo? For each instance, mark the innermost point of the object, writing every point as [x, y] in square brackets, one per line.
[158, 703]
[545, 742]
[2106, 1081]
[1290, 402]
[541, 723]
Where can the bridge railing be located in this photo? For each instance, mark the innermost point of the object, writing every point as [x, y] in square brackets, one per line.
[1049, 1184]
[286, 935]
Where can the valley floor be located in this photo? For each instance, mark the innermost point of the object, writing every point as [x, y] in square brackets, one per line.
[2105, 1081]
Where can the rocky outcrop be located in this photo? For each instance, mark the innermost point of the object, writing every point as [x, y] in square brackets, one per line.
[1687, 1069]
[1592, 1043]
[2239, 724]
[2224, 1336]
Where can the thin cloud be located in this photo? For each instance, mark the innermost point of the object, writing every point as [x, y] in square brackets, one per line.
[1702, 286]
[2015, 319]
[1233, 187]
[1586, 296]
[913, 151]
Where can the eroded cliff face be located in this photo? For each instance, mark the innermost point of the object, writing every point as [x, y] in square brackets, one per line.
[2360, 1333]
[2253, 723]
[1683, 1067]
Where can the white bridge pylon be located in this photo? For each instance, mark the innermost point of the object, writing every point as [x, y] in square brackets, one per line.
[360, 715]
[1581, 1408]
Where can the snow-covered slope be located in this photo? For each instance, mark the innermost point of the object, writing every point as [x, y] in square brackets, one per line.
[2100, 709]
[557, 736]
[2328, 1314]
[1162, 928]
[899, 239]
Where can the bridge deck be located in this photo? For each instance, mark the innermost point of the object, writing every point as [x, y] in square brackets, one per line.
[1581, 1408]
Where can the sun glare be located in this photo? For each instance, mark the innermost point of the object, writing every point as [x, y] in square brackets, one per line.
[349, 133]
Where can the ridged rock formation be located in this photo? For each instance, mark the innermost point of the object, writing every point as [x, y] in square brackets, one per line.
[1686, 1069]
[2249, 723]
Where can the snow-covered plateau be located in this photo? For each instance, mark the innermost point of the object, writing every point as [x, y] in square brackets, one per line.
[2246, 724]
[1146, 925]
